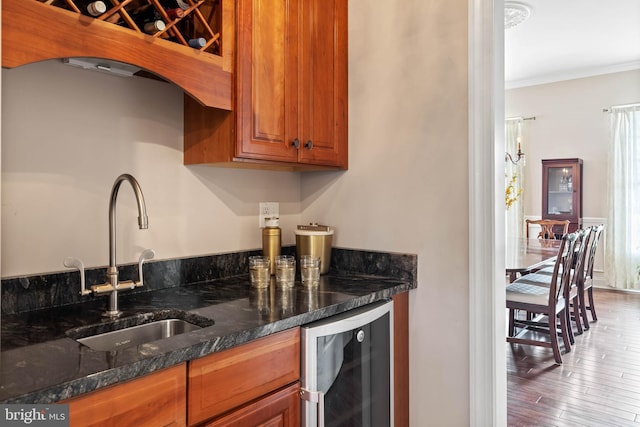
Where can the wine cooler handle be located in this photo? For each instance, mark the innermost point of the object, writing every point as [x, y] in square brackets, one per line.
[320, 409]
[315, 397]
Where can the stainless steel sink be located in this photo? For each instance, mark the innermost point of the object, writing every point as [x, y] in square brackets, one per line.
[139, 329]
[136, 335]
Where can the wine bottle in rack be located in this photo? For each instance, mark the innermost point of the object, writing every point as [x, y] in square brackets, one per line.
[197, 43]
[175, 13]
[148, 19]
[153, 27]
[172, 4]
[91, 7]
[149, 12]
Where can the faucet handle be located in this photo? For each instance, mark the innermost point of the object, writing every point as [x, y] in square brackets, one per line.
[71, 262]
[147, 254]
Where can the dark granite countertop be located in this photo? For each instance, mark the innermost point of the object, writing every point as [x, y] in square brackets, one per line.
[39, 363]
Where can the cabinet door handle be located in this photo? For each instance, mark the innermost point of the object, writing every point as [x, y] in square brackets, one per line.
[295, 143]
[308, 144]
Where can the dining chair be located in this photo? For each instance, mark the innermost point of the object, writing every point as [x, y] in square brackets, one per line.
[587, 278]
[572, 292]
[548, 227]
[527, 294]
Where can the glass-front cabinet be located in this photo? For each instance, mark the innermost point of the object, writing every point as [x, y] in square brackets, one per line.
[562, 191]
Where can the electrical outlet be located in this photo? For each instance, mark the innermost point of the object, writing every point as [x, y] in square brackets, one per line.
[268, 210]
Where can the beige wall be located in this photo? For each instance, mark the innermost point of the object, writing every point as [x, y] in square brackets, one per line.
[406, 189]
[68, 133]
[570, 123]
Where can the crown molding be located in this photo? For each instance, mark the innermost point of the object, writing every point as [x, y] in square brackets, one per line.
[573, 74]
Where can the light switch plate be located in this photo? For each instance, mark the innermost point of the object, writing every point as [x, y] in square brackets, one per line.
[268, 210]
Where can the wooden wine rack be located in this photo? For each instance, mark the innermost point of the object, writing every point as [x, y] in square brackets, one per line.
[37, 30]
[206, 27]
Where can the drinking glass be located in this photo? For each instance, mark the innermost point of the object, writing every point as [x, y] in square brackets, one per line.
[310, 270]
[259, 267]
[285, 270]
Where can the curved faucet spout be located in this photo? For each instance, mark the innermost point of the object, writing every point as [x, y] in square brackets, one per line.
[143, 221]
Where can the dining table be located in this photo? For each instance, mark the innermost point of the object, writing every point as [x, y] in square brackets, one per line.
[524, 255]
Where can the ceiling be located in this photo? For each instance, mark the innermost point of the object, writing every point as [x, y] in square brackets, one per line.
[568, 39]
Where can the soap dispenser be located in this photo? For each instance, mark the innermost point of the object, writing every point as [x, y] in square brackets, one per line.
[271, 241]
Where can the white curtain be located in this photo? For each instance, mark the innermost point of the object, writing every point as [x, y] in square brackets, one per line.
[622, 236]
[514, 216]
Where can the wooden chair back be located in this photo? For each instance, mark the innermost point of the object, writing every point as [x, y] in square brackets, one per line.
[582, 252]
[596, 232]
[548, 227]
[587, 278]
[562, 270]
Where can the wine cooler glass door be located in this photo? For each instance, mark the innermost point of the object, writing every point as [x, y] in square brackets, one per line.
[347, 369]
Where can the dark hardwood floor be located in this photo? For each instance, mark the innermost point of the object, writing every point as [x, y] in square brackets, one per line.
[598, 383]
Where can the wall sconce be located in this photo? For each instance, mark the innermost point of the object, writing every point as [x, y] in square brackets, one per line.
[519, 156]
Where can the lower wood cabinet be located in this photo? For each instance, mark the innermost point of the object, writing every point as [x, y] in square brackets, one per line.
[157, 399]
[226, 380]
[281, 408]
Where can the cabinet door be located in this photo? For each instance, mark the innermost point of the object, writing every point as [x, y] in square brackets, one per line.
[156, 399]
[323, 82]
[267, 79]
[281, 409]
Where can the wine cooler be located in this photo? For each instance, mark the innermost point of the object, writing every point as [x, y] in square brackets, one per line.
[347, 369]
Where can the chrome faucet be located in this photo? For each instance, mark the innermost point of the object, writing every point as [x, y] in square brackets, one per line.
[143, 223]
[113, 285]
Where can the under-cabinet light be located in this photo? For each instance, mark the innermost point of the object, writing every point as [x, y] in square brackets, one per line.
[103, 65]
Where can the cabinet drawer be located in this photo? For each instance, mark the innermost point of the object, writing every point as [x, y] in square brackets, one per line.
[222, 381]
[281, 408]
[156, 399]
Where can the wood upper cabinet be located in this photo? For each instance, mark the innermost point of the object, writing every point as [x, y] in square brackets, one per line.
[290, 91]
[562, 191]
[267, 77]
[33, 31]
[156, 399]
[323, 102]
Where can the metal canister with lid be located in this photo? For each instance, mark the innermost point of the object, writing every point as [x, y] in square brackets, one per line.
[315, 240]
[271, 241]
